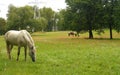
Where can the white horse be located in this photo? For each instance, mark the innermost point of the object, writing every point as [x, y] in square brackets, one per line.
[21, 39]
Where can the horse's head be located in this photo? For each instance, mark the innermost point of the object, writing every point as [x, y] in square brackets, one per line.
[32, 53]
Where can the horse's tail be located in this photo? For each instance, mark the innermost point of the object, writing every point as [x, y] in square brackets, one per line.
[6, 35]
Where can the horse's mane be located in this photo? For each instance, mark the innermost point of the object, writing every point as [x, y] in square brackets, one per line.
[28, 37]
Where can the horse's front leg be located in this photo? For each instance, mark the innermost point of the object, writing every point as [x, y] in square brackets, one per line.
[18, 53]
[25, 52]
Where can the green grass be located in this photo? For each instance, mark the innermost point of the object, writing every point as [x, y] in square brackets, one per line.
[58, 54]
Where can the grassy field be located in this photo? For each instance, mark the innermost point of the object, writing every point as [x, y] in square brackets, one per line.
[58, 54]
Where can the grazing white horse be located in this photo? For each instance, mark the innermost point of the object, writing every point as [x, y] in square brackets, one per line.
[21, 39]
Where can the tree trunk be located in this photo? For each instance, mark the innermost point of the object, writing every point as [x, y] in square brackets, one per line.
[90, 29]
[89, 17]
[111, 22]
[90, 32]
[110, 26]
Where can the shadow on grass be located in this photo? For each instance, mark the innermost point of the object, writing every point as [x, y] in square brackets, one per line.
[103, 39]
[38, 35]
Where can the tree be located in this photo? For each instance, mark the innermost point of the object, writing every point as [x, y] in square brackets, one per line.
[2, 26]
[48, 14]
[25, 15]
[24, 18]
[84, 14]
[61, 22]
[117, 18]
[93, 15]
[42, 23]
[19, 18]
[111, 12]
[55, 20]
[12, 17]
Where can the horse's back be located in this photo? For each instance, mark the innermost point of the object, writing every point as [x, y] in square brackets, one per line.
[21, 37]
[12, 34]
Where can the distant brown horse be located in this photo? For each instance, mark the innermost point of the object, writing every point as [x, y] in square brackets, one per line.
[21, 39]
[73, 34]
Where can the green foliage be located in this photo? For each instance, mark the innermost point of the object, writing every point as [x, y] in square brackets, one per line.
[110, 7]
[23, 18]
[19, 18]
[117, 18]
[48, 14]
[84, 15]
[42, 23]
[61, 22]
[2, 26]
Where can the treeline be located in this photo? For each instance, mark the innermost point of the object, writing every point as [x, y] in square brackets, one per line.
[23, 18]
[79, 16]
[26, 18]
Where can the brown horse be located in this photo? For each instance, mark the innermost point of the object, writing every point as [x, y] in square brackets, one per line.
[21, 39]
[73, 34]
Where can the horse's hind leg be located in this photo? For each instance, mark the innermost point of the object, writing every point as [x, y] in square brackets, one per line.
[18, 53]
[8, 49]
[25, 52]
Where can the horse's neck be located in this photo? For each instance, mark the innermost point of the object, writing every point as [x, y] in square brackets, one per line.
[29, 40]
[30, 44]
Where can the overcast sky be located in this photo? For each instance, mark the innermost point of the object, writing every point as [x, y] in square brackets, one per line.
[54, 4]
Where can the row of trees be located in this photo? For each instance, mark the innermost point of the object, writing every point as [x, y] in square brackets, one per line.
[22, 18]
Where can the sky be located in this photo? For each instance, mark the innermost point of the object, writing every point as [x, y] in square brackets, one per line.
[54, 4]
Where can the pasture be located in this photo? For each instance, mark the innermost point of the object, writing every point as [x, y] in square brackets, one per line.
[58, 54]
